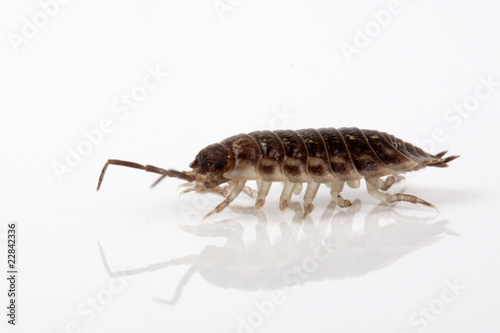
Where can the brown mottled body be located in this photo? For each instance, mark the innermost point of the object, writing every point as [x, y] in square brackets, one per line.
[326, 155]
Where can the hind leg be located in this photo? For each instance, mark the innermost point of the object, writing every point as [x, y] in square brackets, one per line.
[373, 187]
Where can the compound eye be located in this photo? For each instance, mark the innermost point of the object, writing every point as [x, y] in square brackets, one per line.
[220, 165]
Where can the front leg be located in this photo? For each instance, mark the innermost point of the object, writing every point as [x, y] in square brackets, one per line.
[220, 190]
[200, 188]
[235, 191]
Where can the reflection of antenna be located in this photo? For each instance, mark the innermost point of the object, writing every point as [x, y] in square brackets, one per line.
[180, 286]
[265, 264]
[189, 259]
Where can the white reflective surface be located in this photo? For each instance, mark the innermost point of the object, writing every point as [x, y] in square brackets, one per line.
[154, 83]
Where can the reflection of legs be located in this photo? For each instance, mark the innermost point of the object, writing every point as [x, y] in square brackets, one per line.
[373, 186]
[238, 187]
[264, 188]
[312, 189]
[384, 185]
[336, 188]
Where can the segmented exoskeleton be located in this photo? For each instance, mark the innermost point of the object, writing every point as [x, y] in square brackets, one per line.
[326, 155]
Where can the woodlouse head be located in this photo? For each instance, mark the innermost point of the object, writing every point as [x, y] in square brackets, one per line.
[211, 163]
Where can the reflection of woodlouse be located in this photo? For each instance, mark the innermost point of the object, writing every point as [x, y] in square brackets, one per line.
[311, 156]
[284, 259]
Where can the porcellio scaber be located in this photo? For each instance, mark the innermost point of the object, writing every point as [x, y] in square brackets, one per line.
[327, 156]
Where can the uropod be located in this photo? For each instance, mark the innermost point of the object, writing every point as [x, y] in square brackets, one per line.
[327, 156]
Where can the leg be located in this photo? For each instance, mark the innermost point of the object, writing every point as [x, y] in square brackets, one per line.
[246, 189]
[249, 191]
[312, 189]
[286, 194]
[337, 187]
[389, 181]
[220, 190]
[353, 183]
[239, 184]
[298, 188]
[264, 188]
[373, 185]
[200, 188]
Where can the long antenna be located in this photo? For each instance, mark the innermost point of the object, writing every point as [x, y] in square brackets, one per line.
[147, 168]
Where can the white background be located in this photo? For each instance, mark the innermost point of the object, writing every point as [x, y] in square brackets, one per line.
[248, 66]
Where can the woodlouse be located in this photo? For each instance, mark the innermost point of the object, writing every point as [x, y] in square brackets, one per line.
[313, 156]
